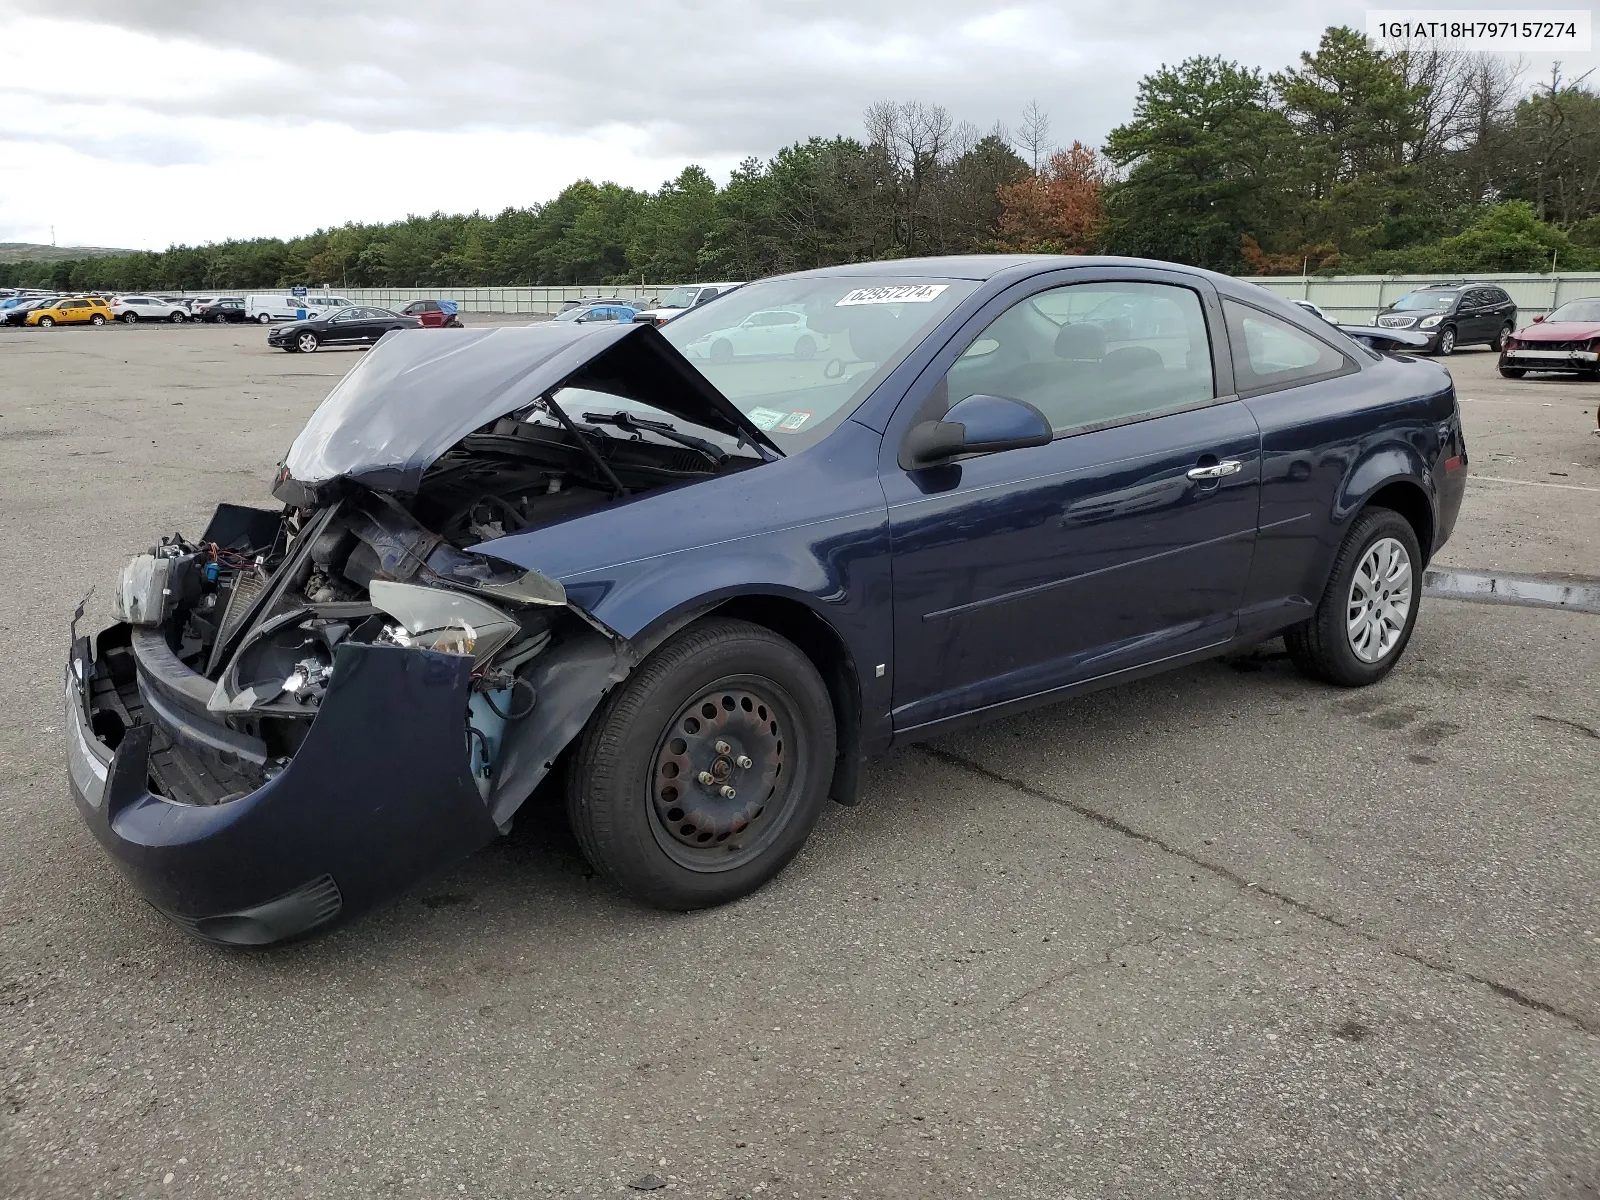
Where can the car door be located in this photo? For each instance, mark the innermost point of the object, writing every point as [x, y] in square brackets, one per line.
[1302, 390]
[75, 312]
[1478, 317]
[342, 327]
[1124, 542]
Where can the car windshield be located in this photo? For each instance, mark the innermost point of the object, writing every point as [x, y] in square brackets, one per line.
[572, 314]
[1424, 300]
[679, 297]
[1577, 310]
[798, 379]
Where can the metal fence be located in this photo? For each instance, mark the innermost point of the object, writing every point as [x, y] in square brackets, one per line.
[1356, 299]
[1349, 299]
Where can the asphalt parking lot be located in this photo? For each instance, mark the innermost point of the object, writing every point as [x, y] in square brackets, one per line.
[1220, 933]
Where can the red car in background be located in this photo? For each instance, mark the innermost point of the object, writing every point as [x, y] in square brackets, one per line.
[1567, 340]
[434, 314]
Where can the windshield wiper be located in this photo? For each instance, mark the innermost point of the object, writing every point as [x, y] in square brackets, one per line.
[632, 424]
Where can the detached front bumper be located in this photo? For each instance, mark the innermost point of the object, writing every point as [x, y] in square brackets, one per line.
[377, 797]
[1531, 359]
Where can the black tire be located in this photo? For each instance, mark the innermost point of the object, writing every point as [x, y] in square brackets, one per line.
[1499, 342]
[1447, 342]
[46, 322]
[97, 319]
[306, 341]
[1321, 647]
[805, 349]
[265, 318]
[129, 318]
[685, 848]
[1513, 372]
[722, 351]
[177, 318]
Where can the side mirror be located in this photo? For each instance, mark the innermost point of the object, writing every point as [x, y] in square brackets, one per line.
[977, 425]
[1539, 318]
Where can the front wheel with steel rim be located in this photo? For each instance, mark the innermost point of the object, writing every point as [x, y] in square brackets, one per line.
[703, 773]
[306, 343]
[1368, 609]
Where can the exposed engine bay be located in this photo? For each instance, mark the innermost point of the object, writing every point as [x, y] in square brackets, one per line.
[246, 621]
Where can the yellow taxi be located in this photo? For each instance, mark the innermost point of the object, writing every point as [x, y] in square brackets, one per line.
[71, 310]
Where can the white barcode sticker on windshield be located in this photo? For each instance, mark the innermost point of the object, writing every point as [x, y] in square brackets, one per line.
[899, 293]
[765, 418]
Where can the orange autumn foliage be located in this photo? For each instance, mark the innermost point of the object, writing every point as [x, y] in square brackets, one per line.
[1060, 209]
[1307, 258]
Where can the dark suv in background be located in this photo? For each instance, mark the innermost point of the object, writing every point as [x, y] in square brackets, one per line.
[1454, 314]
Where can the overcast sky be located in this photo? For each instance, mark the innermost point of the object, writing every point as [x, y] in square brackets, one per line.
[141, 124]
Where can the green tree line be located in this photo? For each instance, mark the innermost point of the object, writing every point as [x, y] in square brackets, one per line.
[1356, 159]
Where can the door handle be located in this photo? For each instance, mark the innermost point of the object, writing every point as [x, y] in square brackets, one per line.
[1228, 466]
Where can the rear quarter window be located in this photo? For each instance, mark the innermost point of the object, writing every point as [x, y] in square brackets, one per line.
[1271, 354]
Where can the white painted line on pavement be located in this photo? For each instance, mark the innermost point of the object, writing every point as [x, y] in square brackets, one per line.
[1566, 487]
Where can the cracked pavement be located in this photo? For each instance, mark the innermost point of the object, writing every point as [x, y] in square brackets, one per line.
[1217, 933]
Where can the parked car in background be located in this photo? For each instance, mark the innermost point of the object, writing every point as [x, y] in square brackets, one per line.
[220, 309]
[269, 308]
[434, 314]
[1453, 314]
[20, 307]
[1315, 311]
[1566, 340]
[132, 309]
[681, 299]
[710, 592]
[783, 333]
[589, 314]
[70, 310]
[586, 301]
[321, 300]
[349, 325]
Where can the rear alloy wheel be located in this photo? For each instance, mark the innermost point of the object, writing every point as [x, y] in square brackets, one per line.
[265, 318]
[46, 322]
[1447, 342]
[98, 319]
[129, 318]
[1500, 338]
[306, 342]
[722, 351]
[701, 776]
[1369, 608]
[805, 349]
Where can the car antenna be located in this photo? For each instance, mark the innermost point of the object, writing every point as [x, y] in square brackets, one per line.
[560, 414]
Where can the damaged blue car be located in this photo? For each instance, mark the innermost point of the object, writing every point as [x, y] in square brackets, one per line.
[699, 580]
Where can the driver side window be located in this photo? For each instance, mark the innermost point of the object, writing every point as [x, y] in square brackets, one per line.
[1091, 355]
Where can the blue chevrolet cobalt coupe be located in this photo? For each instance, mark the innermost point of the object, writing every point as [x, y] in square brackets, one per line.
[700, 579]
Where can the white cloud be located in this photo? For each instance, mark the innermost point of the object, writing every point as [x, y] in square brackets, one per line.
[158, 121]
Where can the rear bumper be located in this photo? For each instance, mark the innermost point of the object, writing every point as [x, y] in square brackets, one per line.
[377, 797]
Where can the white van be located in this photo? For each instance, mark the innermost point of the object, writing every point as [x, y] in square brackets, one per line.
[321, 301]
[268, 309]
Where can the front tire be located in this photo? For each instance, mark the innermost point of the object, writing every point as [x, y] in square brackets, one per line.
[722, 351]
[1447, 342]
[46, 322]
[177, 318]
[701, 775]
[306, 343]
[1364, 620]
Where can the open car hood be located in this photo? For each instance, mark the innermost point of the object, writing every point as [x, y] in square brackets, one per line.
[419, 392]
